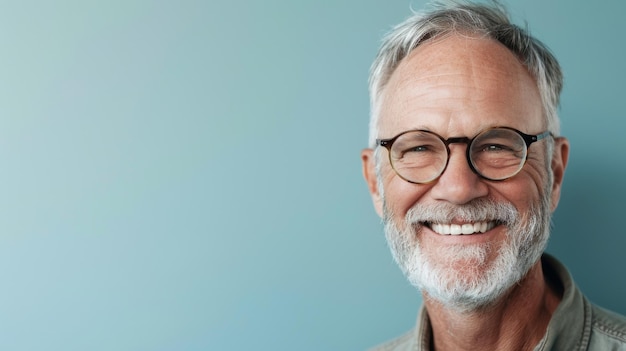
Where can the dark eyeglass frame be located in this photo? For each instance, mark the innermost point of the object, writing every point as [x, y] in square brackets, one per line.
[528, 139]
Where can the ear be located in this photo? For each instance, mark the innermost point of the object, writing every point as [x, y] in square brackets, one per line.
[559, 162]
[369, 173]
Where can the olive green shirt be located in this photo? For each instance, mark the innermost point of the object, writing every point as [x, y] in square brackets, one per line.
[576, 324]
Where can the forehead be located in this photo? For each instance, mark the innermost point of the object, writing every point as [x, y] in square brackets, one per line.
[459, 85]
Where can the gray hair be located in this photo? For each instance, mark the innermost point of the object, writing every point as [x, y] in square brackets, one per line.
[488, 21]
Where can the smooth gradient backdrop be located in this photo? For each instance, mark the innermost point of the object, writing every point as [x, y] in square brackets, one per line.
[185, 175]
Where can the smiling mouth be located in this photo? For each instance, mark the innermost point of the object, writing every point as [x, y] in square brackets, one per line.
[461, 229]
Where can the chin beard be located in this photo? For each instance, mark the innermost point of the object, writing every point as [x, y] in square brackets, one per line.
[469, 277]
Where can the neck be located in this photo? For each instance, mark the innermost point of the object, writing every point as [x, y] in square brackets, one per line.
[517, 321]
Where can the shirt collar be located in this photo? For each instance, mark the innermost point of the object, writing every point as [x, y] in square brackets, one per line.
[569, 327]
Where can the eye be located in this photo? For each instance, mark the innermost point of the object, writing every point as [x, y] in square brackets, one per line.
[417, 146]
[492, 151]
[417, 149]
[494, 148]
[494, 145]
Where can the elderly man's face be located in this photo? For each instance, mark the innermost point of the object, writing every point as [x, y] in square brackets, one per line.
[456, 87]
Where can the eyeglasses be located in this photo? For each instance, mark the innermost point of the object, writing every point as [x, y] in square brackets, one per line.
[420, 156]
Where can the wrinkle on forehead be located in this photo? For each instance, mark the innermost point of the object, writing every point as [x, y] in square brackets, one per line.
[461, 72]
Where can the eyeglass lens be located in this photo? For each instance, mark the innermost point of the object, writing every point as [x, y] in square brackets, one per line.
[495, 154]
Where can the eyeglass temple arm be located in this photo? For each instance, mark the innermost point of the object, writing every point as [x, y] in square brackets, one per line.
[529, 139]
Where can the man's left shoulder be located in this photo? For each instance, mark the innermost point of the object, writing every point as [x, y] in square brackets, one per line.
[608, 330]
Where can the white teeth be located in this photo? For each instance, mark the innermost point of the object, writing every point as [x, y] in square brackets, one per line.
[478, 227]
[465, 229]
[445, 228]
[455, 229]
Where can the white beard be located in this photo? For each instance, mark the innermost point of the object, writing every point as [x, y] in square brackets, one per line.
[469, 277]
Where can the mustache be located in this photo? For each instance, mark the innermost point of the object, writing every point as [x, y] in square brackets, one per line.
[475, 211]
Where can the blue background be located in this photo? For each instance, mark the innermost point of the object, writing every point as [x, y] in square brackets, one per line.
[185, 175]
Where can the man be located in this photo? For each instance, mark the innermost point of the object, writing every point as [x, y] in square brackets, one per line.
[465, 167]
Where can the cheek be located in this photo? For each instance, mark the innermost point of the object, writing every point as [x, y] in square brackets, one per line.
[524, 190]
[522, 196]
[400, 195]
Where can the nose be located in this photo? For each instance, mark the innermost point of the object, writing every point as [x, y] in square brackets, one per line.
[458, 184]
